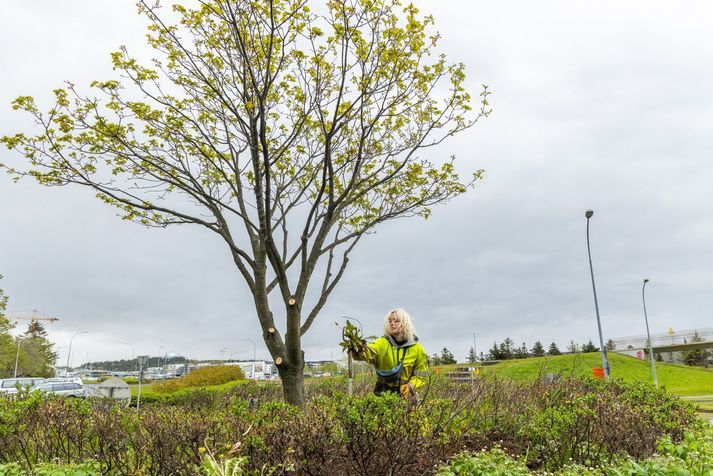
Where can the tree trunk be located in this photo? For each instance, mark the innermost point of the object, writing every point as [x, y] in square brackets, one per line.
[293, 388]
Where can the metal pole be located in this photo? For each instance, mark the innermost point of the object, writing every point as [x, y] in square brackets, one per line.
[69, 354]
[350, 365]
[605, 362]
[475, 354]
[648, 334]
[17, 356]
[254, 349]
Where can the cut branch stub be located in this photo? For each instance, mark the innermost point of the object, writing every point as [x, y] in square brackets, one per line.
[271, 330]
[278, 361]
[291, 302]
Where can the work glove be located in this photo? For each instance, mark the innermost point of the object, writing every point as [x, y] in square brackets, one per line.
[407, 391]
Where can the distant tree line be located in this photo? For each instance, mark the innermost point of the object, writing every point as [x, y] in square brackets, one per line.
[130, 365]
[507, 350]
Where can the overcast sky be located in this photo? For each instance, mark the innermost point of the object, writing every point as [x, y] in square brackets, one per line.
[603, 105]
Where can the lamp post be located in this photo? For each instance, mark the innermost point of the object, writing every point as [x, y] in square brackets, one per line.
[253, 343]
[475, 354]
[69, 354]
[142, 360]
[222, 351]
[17, 355]
[605, 362]
[648, 334]
[350, 364]
[159, 356]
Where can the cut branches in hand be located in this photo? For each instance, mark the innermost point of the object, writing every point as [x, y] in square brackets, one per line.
[353, 341]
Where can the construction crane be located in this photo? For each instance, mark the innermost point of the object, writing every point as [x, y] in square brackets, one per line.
[34, 318]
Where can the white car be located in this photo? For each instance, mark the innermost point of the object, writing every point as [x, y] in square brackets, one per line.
[66, 389]
[9, 385]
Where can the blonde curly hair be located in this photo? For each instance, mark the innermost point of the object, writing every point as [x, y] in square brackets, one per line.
[408, 331]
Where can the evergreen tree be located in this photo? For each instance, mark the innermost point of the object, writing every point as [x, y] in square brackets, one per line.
[36, 355]
[538, 350]
[553, 350]
[573, 348]
[434, 360]
[590, 347]
[447, 357]
[611, 345]
[507, 349]
[494, 352]
[521, 352]
[472, 357]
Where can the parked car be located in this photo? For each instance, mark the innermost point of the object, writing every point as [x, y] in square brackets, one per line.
[9, 385]
[66, 389]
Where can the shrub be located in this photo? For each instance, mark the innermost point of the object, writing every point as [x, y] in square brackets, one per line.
[544, 425]
[203, 377]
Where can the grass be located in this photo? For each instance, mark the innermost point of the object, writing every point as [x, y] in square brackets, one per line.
[678, 379]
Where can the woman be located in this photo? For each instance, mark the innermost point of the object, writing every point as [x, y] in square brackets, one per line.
[400, 361]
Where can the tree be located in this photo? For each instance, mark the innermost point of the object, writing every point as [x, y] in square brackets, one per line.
[611, 345]
[538, 350]
[521, 352]
[472, 356]
[494, 352]
[573, 348]
[36, 355]
[447, 357]
[506, 349]
[590, 347]
[553, 350]
[434, 360]
[290, 134]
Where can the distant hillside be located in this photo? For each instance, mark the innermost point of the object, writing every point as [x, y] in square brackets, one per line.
[676, 378]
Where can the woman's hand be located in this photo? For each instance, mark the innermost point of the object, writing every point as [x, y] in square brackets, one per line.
[407, 391]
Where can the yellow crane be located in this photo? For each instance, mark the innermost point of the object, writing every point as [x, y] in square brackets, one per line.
[33, 318]
[36, 317]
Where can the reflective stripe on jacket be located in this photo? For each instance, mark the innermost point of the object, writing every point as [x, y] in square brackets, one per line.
[387, 355]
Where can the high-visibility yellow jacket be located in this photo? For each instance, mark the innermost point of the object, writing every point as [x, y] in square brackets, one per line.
[388, 355]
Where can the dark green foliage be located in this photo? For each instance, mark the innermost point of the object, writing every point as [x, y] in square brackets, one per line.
[472, 357]
[589, 347]
[538, 350]
[447, 357]
[553, 350]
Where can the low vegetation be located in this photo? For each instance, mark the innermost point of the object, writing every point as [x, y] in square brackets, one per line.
[678, 379]
[545, 425]
[203, 377]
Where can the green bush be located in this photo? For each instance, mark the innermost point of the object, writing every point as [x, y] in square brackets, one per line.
[203, 377]
[693, 456]
[561, 426]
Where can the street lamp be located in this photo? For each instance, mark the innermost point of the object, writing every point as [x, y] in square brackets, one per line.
[159, 355]
[648, 334]
[253, 343]
[350, 364]
[69, 354]
[605, 362]
[475, 353]
[17, 355]
[223, 350]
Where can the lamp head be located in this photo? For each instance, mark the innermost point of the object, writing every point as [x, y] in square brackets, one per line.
[646, 280]
[589, 214]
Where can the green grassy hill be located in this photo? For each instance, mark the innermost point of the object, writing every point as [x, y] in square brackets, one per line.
[676, 378]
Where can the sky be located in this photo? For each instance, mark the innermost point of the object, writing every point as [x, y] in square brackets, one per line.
[604, 106]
